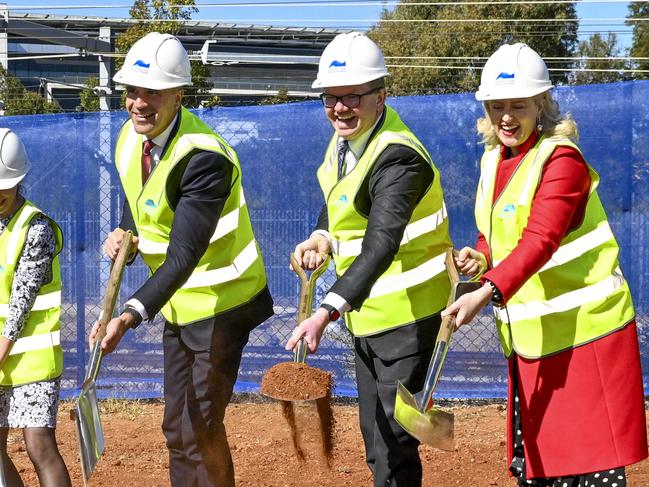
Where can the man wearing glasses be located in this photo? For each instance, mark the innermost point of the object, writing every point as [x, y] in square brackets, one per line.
[385, 223]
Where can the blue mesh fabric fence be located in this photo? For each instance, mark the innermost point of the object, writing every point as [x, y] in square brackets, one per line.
[73, 179]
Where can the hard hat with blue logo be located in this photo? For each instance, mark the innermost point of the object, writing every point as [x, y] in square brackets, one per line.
[350, 59]
[14, 163]
[156, 61]
[513, 71]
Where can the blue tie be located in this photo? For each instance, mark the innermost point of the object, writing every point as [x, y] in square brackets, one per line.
[341, 147]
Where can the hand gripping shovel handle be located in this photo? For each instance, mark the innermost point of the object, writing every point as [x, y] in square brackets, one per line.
[305, 305]
[110, 298]
[443, 337]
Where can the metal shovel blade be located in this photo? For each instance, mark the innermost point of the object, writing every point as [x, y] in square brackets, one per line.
[90, 434]
[433, 427]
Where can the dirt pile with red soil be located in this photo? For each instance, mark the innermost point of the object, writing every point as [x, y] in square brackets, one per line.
[293, 381]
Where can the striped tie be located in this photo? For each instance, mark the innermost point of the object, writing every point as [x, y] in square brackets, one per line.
[341, 147]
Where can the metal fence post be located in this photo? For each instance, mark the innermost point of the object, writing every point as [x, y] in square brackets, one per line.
[78, 258]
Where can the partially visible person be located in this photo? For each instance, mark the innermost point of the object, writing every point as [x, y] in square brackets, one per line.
[185, 203]
[385, 221]
[563, 308]
[31, 359]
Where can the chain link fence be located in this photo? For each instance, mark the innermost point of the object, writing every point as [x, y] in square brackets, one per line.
[280, 147]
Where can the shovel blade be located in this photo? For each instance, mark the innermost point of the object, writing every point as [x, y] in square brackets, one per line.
[90, 434]
[433, 426]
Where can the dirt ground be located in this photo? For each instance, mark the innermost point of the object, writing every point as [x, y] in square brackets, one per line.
[136, 456]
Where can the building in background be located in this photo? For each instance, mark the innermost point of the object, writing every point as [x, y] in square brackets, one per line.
[57, 54]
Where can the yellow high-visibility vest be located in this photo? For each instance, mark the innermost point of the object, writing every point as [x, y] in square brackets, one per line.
[416, 284]
[580, 294]
[37, 354]
[231, 271]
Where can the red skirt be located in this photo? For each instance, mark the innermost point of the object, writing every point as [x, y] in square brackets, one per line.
[582, 410]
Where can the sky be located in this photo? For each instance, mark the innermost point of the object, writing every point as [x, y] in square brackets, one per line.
[315, 13]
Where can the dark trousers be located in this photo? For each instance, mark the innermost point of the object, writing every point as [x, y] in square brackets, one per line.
[201, 362]
[399, 355]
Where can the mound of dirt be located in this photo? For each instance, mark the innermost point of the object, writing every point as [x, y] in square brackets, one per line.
[292, 381]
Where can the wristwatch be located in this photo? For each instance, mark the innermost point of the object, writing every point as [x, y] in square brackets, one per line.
[334, 314]
[137, 317]
[496, 295]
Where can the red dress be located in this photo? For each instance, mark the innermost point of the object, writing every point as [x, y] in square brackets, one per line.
[582, 410]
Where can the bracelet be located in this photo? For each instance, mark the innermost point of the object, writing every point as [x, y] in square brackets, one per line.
[496, 295]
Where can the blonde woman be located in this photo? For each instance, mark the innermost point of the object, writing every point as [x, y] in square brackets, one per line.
[563, 308]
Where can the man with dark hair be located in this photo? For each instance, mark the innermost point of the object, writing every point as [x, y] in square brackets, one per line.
[185, 203]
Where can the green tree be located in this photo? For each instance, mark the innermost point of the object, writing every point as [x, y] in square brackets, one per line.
[280, 97]
[450, 43]
[18, 100]
[598, 46]
[90, 100]
[640, 43]
[164, 16]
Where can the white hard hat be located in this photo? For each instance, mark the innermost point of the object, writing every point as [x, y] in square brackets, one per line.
[513, 71]
[14, 163]
[350, 59]
[156, 61]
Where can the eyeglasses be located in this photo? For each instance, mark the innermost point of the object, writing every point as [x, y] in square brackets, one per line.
[350, 101]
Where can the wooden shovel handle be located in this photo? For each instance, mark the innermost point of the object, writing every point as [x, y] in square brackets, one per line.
[305, 304]
[448, 322]
[112, 289]
[307, 284]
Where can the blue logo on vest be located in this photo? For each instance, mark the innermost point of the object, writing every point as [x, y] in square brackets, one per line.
[2, 268]
[507, 212]
[141, 64]
[504, 75]
[342, 201]
[150, 206]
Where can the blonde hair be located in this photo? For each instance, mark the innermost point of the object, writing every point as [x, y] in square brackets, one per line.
[554, 124]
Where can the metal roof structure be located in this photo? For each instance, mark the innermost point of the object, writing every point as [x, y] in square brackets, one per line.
[248, 62]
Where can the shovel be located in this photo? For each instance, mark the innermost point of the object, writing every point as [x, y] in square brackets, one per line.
[415, 413]
[293, 393]
[307, 287]
[305, 308]
[90, 434]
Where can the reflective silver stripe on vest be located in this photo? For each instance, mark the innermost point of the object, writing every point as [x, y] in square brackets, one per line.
[565, 302]
[531, 184]
[393, 137]
[42, 302]
[36, 342]
[488, 171]
[229, 273]
[15, 236]
[578, 247]
[352, 248]
[407, 279]
[189, 141]
[124, 157]
[227, 223]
